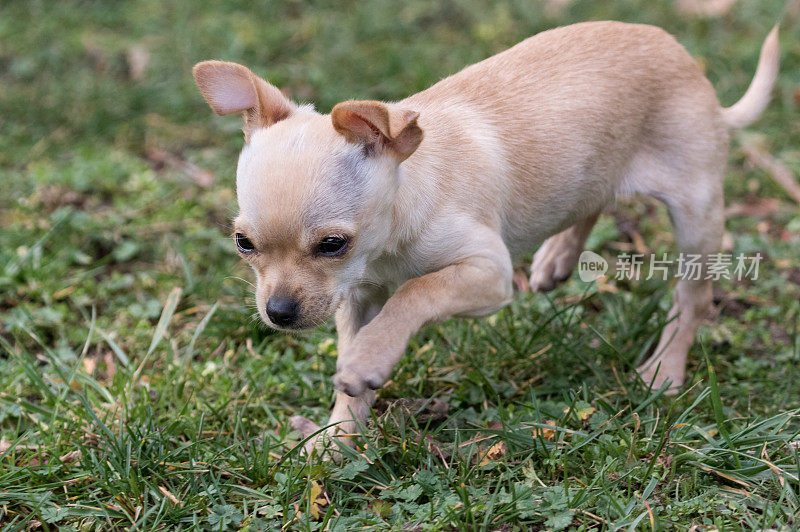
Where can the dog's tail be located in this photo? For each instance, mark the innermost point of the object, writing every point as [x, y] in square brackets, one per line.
[755, 100]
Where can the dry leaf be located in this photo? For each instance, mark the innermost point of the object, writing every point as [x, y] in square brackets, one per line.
[436, 449]
[111, 365]
[792, 8]
[758, 208]
[422, 409]
[724, 475]
[161, 158]
[164, 491]
[495, 452]
[89, 365]
[95, 51]
[774, 167]
[541, 351]
[547, 434]
[70, 457]
[582, 413]
[727, 241]
[705, 8]
[604, 286]
[638, 243]
[138, 58]
[521, 280]
[555, 8]
[317, 500]
[6, 445]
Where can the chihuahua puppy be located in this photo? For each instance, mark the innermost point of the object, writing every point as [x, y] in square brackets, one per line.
[389, 215]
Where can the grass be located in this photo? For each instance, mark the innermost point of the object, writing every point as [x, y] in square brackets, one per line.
[138, 391]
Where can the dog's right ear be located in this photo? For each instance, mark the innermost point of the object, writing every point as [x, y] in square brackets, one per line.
[373, 123]
[232, 88]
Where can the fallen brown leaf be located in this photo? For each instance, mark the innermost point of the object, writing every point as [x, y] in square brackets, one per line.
[757, 208]
[89, 364]
[138, 59]
[704, 8]
[158, 157]
[792, 8]
[638, 243]
[581, 413]
[95, 51]
[554, 8]
[774, 167]
[111, 365]
[164, 491]
[545, 433]
[317, 499]
[495, 425]
[521, 280]
[70, 457]
[5, 445]
[495, 452]
[423, 410]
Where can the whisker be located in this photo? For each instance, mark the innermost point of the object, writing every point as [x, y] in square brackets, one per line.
[240, 279]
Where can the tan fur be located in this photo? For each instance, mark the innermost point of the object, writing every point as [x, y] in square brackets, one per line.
[370, 122]
[232, 88]
[440, 192]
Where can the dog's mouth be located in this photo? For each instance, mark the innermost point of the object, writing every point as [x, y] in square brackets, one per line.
[301, 323]
[288, 328]
[304, 321]
[299, 326]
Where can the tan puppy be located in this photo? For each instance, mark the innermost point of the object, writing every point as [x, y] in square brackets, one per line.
[390, 215]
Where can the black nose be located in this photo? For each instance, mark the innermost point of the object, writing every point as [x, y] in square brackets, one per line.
[282, 311]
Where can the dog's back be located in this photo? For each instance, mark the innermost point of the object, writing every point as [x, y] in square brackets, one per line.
[573, 105]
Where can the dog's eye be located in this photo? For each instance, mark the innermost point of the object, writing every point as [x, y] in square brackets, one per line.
[243, 244]
[330, 246]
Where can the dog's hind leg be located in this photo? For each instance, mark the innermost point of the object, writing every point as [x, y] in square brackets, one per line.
[555, 259]
[697, 217]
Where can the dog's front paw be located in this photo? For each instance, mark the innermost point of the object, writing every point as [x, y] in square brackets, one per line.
[304, 426]
[320, 443]
[355, 382]
[656, 377]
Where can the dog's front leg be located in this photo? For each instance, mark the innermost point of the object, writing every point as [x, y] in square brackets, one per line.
[347, 411]
[475, 286]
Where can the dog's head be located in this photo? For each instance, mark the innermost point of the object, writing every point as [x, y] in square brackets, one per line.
[315, 191]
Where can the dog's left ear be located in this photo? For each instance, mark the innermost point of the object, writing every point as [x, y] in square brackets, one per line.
[376, 124]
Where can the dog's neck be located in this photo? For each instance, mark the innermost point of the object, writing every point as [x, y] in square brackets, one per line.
[414, 202]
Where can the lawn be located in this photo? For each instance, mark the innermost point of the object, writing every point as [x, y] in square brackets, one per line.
[139, 390]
